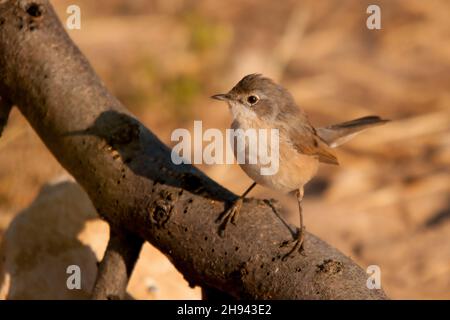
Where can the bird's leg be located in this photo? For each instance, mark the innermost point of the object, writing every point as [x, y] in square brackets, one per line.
[298, 242]
[232, 213]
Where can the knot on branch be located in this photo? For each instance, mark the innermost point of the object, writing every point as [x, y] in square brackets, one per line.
[31, 15]
[330, 266]
[161, 209]
[34, 10]
[241, 272]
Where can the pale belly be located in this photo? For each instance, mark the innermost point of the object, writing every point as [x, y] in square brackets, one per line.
[294, 171]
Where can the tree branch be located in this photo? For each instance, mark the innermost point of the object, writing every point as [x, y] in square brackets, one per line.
[129, 175]
[116, 266]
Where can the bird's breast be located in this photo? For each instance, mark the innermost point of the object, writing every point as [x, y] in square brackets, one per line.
[293, 169]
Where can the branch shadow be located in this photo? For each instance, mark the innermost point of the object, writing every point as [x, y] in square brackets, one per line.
[42, 241]
[146, 156]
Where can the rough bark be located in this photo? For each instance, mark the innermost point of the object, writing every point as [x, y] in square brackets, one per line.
[134, 185]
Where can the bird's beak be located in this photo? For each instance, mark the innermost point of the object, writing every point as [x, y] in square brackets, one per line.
[221, 97]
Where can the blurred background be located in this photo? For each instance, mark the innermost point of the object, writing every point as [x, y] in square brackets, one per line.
[388, 203]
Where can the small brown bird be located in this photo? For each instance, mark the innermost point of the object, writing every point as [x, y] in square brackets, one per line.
[257, 102]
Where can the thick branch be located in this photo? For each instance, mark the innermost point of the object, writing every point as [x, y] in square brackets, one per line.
[133, 183]
[116, 267]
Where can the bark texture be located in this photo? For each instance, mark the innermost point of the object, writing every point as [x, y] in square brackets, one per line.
[129, 176]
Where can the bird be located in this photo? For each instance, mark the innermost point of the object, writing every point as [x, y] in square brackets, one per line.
[258, 102]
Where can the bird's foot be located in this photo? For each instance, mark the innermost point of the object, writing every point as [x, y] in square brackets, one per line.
[298, 244]
[229, 215]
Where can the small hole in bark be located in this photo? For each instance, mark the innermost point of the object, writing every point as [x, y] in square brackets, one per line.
[212, 250]
[206, 238]
[261, 266]
[273, 259]
[118, 181]
[225, 253]
[185, 210]
[236, 249]
[190, 201]
[34, 10]
[180, 192]
[268, 273]
[185, 229]
[169, 233]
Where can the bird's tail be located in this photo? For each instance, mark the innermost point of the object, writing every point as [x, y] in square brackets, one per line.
[340, 133]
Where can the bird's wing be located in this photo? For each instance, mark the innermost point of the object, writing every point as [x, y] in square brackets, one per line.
[305, 140]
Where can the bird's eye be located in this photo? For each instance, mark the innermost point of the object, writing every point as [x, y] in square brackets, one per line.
[252, 99]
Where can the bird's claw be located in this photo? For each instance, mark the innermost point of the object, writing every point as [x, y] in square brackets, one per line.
[230, 215]
[298, 244]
